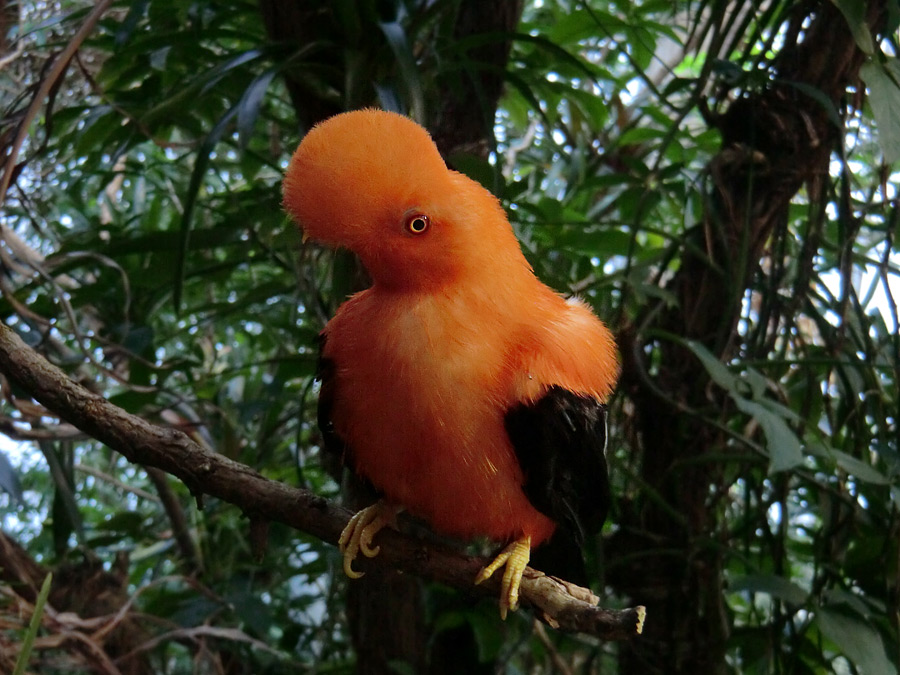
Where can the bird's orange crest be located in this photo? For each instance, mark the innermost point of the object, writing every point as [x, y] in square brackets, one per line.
[374, 182]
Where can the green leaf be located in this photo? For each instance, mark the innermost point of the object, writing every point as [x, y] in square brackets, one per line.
[717, 370]
[757, 383]
[836, 597]
[126, 28]
[33, 626]
[560, 55]
[778, 409]
[858, 640]
[821, 98]
[770, 584]
[9, 478]
[583, 24]
[785, 449]
[639, 135]
[856, 467]
[248, 108]
[854, 12]
[406, 60]
[884, 97]
[593, 241]
[488, 636]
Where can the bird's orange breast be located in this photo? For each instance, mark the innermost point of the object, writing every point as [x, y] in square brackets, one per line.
[421, 387]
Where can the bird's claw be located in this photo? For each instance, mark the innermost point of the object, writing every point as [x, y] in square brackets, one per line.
[515, 557]
[359, 532]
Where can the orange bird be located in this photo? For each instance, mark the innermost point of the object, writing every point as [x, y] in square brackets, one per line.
[464, 389]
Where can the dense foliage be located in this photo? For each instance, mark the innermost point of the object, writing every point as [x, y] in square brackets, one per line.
[145, 251]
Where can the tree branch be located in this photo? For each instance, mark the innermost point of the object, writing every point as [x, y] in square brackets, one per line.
[204, 472]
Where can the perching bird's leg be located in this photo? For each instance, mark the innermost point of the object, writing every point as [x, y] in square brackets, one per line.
[515, 557]
[359, 532]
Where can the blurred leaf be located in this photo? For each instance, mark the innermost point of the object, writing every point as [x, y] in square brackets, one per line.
[488, 635]
[584, 23]
[770, 584]
[785, 449]
[883, 81]
[717, 370]
[135, 13]
[34, 626]
[855, 14]
[400, 45]
[852, 465]
[9, 479]
[248, 108]
[857, 639]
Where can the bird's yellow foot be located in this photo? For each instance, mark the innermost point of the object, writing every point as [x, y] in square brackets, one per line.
[359, 532]
[515, 557]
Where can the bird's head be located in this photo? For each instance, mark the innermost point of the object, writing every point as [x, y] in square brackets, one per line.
[374, 182]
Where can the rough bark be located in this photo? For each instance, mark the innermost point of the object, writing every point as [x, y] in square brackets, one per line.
[295, 25]
[774, 141]
[464, 120]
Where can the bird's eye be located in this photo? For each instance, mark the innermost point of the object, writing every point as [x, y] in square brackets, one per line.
[417, 224]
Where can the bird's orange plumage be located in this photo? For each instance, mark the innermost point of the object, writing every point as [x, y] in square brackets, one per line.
[454, 331]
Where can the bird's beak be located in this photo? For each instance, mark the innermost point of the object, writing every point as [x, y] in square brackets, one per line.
[304, 237]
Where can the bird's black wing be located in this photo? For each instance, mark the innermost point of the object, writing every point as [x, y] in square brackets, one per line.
[560, 442]
[331, 441]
